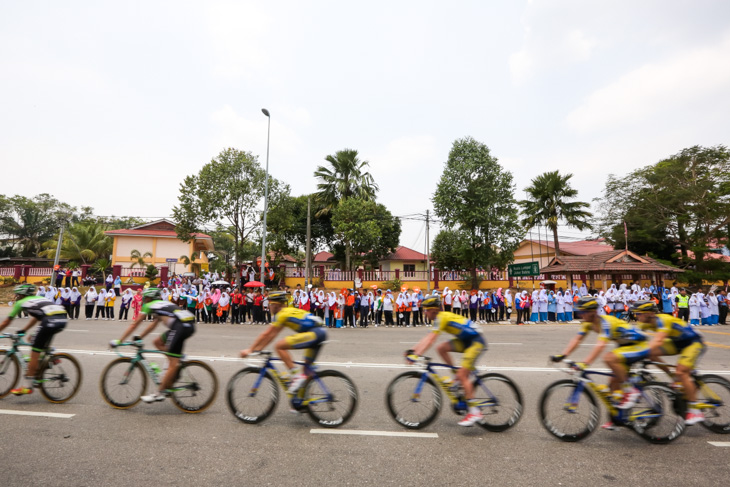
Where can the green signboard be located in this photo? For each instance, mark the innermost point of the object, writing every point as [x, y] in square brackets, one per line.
[524, 270]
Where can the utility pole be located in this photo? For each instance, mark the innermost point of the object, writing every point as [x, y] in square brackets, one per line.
[309, 243]
[428, 259]
[58, 254]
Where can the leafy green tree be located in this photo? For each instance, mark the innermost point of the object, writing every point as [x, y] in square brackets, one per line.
[549, 203]
[476, 197]
[151, 272]
[450, 250]
[101, 266]
[229, 189]
[344, 177]
[28, 222]
[368, 227]
[681, 203]
[287, 225]
[83, 242]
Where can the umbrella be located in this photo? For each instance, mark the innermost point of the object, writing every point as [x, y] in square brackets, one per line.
[253, 284]
[220, 283]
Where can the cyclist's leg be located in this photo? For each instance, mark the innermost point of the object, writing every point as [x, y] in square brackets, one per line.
[297, 341]
[41, 342]
[454, 345]
[620, 359]
[176, 337]
[686, 364]
[468, 365]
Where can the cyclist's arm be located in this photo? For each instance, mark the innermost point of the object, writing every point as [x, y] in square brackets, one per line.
[573, 344]
[262, 340]
[425, 343]
[5, 323]
[657, 341]
[30, 324]
[133, 326]
[149, 329]
[597, 350]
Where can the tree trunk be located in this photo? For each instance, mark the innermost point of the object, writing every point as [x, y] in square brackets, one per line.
[555, 240]
[474, 283]
[347, 256]
[682, 234]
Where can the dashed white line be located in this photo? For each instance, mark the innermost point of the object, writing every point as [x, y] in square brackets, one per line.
[373, 433]
[719, 443]
[34, 413]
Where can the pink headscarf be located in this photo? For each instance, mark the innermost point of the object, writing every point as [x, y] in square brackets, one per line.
[216, 296]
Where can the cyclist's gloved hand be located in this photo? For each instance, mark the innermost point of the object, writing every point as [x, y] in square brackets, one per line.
[581, 365]
[557, 358]
[114, 343]
[21, 333]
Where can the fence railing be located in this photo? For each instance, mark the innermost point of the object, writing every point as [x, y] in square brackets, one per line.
[7, 271]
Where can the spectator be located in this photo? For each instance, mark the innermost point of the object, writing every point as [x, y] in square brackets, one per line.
[90, 298]
[118, 286]
[508, 304]
[722, 305]
[75, 277]
[109, 282]
[682, 301]
[127, 298]
[101, 304]
[349, 304]
[267, 312]
[75, 304]
[59, 278]
[258, 307]
[224, 305]
[66, 300]
[388, 308]
[111, 297]
[713, 306]
[237, 302]
[136, 304]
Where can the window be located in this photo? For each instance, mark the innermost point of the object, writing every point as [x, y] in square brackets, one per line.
[409, 270]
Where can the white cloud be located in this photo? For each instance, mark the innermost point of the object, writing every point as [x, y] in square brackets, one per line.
[657, 88]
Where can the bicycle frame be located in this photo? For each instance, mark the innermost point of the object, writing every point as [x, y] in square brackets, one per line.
[449, 391]
[139, 358]
[619, 416]
[298, 401]
[696, 378]
[14, 350]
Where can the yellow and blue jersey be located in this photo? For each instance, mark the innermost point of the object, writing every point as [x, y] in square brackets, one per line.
[677, 330]
[615, 330]
[459, 326]
[297, 320]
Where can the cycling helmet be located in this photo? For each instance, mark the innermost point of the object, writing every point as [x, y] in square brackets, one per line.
[644, 306]
[586, 303]
[278, 297]
[152, 293]
[431, 302]
[25, 290]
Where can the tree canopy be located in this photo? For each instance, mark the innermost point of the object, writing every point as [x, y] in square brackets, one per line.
[230, 190]
[549, 203]
[475, 196]
[677, 209]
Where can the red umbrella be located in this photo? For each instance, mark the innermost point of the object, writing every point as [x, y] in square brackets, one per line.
[253, 284]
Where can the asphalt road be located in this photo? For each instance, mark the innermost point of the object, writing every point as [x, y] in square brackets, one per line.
[159, 445]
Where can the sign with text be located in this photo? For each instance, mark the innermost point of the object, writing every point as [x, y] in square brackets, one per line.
[523, 270]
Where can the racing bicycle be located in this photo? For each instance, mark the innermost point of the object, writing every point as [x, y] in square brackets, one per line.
[328, 396]
[414, 398]
[124, 380]
[59, 374]
[569, 408]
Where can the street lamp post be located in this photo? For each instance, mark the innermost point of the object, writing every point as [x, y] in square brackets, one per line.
[266, 195]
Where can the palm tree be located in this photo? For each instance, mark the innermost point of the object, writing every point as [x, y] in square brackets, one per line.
[549, 204]
[138, 258]
[346, 177]
[101, 265]
[85, 242]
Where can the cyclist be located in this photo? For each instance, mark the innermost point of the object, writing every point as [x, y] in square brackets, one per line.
[309, 334]
[468, 339]
[674, 337]
[632, 347]
[52, 319]
[181, 326]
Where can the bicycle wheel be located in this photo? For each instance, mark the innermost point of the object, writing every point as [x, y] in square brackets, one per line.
[331, 397]
[413, 399]
[568, 414]
[60, 378]
[195, 387]
[252, 395]
[9, 372]
[654, 418]
[499, 400]
[122, 383]
[715, 391]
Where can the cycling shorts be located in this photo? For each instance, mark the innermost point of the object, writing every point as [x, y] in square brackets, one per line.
[43, 336]
[630, 354]
[175, 337]
[690, 351]
[471, 349]
[310, 340]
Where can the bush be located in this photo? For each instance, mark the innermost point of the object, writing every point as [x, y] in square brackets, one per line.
[151, 272]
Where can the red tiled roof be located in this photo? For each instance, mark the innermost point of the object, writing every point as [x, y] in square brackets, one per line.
[582, 247]
[404, 253]
[322, 256]
[150, 233]
[605, 263]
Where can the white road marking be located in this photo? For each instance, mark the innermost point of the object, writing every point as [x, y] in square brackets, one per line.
[365, 365]
[34, 413]
[81, 331]
[503, 343]
[373, 433]
[719, 443]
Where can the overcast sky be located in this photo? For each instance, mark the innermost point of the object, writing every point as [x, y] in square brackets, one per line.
[111, 104]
